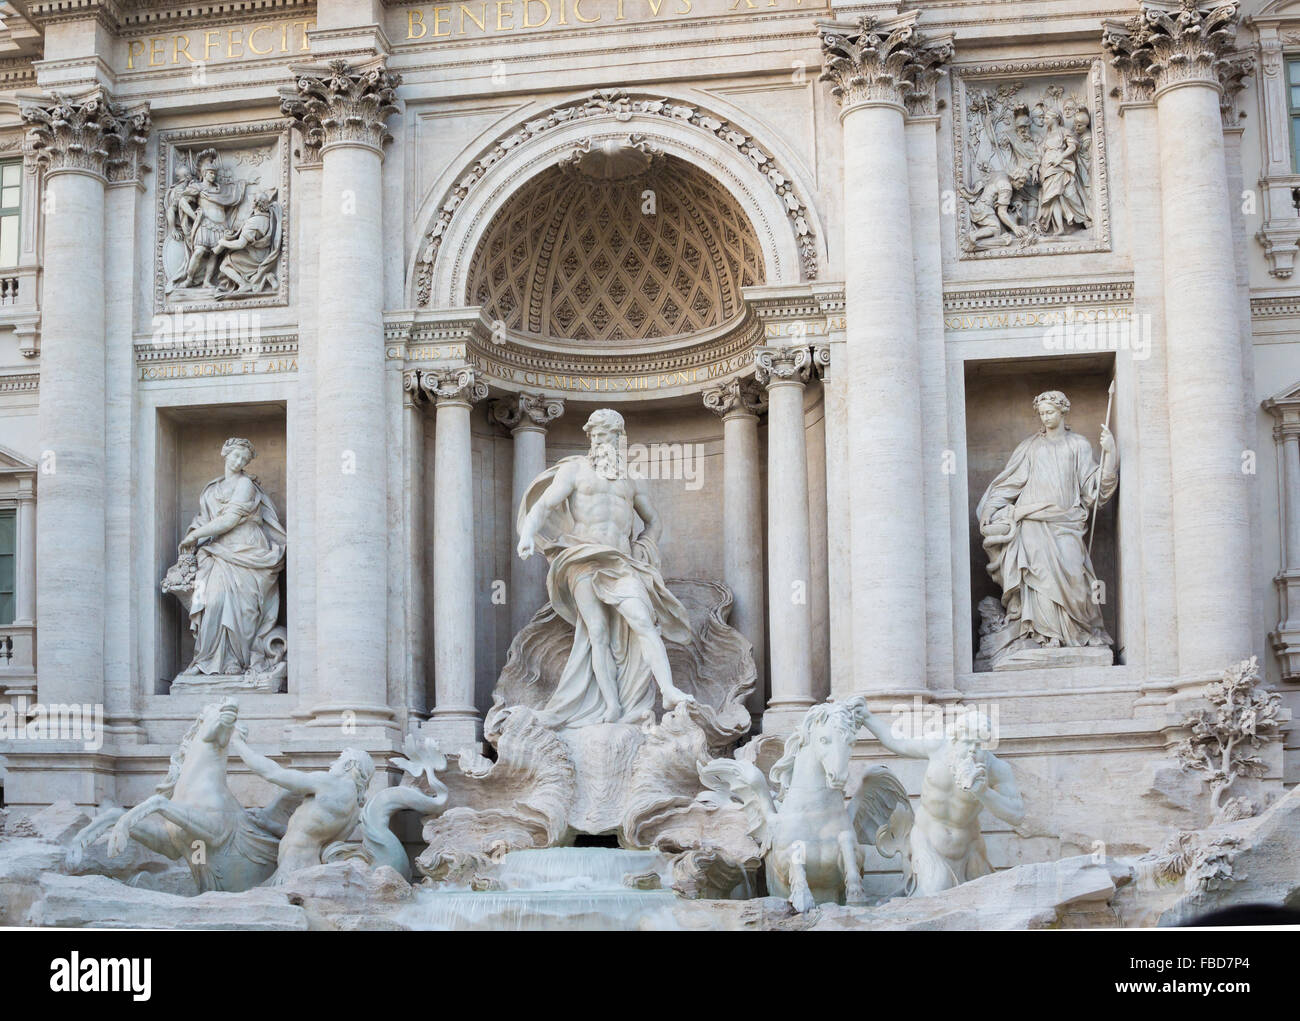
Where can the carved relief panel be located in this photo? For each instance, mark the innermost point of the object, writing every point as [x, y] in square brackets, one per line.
[1030, 159]
[222, 221]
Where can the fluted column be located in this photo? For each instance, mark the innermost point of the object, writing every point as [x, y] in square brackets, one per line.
[454, 720]
[738, 402]
[80, 141]
[1291, 496]
[341, 112]
[784, 371]
[527, 416]
[875, 65]
[415, 609]
[1179, 56]
[25, 579]
[1286, 433]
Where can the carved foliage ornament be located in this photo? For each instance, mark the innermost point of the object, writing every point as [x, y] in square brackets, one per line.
[1167, 44]
[883, 61]
[89, 133]
[623, 106]
[341, 104]
[527, 409]
[459, 383]
[736, 395]
[782, 365]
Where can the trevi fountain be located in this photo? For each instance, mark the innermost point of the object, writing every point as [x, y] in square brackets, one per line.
[596, 464]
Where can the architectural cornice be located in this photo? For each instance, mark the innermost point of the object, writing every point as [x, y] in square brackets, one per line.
[1088, 293]
[1283, 306]
[148, 16]
[108, 13]
[19, 382]
[206, 348]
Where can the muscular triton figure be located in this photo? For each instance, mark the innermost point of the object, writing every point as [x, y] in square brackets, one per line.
[330, 808]
[960, 779]
[604, 580]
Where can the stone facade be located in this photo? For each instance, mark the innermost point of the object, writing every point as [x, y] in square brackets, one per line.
[821, 257]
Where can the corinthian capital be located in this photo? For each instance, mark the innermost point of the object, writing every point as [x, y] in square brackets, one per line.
[455, 385]
[774, 365]
[89, 133]
[1172, 43]
[736, 396]
[342, 105]
[525, 409]
[883, 60]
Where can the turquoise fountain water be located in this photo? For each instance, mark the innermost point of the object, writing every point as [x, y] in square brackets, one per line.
[558, 888]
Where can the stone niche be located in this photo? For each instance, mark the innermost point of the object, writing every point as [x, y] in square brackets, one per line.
[691, 508]
[999, 416]
[189, 441]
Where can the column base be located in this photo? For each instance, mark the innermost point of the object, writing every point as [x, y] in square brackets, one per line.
[782, 718]
[39, 773]
[348, 724]
[454, 728]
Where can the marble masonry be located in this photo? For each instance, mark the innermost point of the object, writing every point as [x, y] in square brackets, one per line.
[601, 464]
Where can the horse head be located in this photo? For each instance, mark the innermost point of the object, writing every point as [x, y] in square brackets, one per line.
[209, 736]
[827, 732]
[216, 722]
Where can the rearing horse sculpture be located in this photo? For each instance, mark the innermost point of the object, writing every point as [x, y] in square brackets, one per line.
[813, 838]
[195, 817]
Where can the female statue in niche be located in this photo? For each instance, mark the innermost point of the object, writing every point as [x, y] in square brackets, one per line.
[1034, 520]
[227, 576]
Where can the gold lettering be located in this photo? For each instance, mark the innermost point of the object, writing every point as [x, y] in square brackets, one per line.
[748, 5]
[480, 21]
[563, 20]
[686, 6]
[236, 38]
[209, 44]
[414, 18]
[654, 6]
[305, 44]
[252, 48]
[620, 11]
[132, 52]
[536, 24]
[504, 15]
[157, 48]
[441, 19]
[181, 45]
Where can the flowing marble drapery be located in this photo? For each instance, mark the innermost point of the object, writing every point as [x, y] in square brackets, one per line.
[615, 576]
[236, 596]
[1034, 518]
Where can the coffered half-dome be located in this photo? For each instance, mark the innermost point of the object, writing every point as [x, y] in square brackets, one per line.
[583, 253]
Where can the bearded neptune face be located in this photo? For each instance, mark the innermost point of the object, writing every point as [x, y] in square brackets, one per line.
[606, 431]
